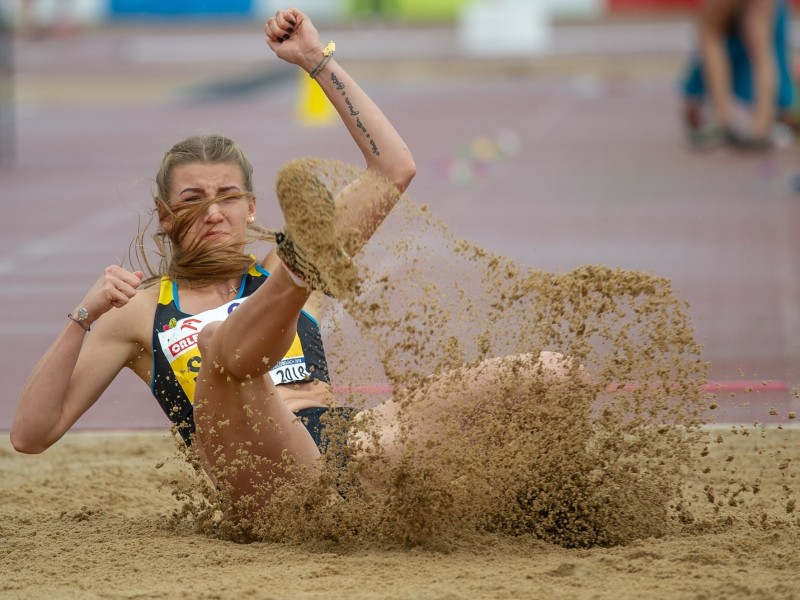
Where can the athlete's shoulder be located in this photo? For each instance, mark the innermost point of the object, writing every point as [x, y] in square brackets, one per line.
[146, 296]
[134, 321]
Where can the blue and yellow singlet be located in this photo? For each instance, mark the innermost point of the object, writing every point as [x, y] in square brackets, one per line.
[176, 358]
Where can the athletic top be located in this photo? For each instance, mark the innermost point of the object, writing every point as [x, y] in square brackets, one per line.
[176, 357]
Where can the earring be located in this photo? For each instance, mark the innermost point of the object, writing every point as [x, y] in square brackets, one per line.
[250, 219]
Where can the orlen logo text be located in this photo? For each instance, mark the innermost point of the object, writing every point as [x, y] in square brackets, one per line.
[181, 345]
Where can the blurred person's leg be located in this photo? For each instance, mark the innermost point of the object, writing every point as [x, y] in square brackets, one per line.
[694, 91]
[783, 60]
[699, 134]
[693, 86]
[714, 19]
[739, 61]
[758, 28]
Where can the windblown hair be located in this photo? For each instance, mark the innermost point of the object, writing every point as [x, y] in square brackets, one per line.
[194, 264]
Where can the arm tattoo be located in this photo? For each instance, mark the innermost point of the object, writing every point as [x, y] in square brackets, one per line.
[354, 113]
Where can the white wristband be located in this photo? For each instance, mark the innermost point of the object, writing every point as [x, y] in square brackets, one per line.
[295, 279]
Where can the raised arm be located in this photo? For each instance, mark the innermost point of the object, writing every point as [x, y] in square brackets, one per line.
[79, 365]
[363, 204]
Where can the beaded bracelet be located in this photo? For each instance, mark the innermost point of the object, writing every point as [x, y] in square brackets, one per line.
[86, 328]
[327, 52]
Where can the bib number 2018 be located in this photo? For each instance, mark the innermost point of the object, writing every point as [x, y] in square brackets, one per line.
[291, 373]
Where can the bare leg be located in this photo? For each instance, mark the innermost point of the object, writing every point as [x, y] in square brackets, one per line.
[713, 21]
[759, 25]
[246, 437]
[492, 381]
[244, 429]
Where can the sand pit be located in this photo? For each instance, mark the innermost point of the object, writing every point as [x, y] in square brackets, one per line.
[91, 519]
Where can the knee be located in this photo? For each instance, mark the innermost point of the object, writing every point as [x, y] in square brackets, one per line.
[205, 340]
[560, 366]
[554, 362]
[221, 355]
[551, 365]
[546, 365]
[546, 359]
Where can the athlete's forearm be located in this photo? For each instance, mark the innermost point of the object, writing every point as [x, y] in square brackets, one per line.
[361, 206]
[383, 149]
[51, 400]
[390, 166]
[39, 414]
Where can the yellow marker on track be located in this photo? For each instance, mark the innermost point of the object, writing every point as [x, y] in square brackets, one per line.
[313, 107]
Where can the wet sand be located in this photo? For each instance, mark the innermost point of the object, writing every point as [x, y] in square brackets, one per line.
[91, 518]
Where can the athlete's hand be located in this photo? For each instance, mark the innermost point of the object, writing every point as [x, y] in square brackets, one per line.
[293, 38]
[114, 289]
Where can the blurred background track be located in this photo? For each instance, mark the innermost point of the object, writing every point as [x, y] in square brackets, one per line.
[566, 157]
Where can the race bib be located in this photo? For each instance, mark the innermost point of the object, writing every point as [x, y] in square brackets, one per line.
[179, 344]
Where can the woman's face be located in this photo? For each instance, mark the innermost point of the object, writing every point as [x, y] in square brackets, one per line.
[222, 222]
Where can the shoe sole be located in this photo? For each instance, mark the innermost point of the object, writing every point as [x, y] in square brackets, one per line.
[309, 213]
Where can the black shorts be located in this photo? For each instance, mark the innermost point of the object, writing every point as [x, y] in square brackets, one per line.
[312, 419]
[332, 443]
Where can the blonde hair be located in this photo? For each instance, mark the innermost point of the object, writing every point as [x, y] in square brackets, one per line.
[195, 264]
